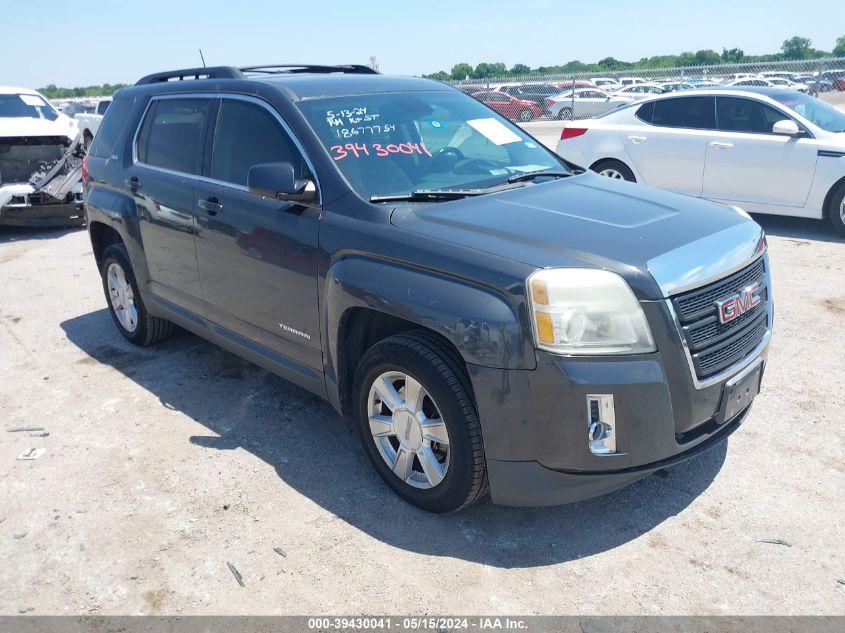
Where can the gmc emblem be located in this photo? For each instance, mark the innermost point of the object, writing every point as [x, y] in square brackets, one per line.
[746, 299]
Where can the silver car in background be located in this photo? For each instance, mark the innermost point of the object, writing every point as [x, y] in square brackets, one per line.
[583, 103]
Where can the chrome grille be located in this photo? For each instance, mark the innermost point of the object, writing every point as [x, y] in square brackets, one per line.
[701, 301]
[709, 330]
[716, 346]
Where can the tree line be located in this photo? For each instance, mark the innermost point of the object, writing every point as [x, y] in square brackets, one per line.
[52, 91]
[795, 48]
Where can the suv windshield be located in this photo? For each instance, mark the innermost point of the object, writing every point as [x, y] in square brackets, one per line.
[26, 106]
[814, 110]
[395, 143]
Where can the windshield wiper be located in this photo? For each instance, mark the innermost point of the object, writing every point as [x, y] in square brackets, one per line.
[433, 195]
[429, 194]
[552, 173]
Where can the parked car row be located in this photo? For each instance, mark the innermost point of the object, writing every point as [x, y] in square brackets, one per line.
[599, 94]
[765, 149]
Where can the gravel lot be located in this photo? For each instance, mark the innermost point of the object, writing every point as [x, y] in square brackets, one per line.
[164, 464]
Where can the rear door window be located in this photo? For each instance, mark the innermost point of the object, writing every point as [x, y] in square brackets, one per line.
[247, 134]
[172, 132]
[685, 112]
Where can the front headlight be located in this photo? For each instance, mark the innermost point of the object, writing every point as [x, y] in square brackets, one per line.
[587, 311]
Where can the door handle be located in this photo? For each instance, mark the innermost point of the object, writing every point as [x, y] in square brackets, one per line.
[720, 145]
[211, 205]
[637, 139]
[133, 184]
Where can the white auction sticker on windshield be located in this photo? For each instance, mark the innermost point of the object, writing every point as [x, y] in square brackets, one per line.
[494, 130]
[32, 100]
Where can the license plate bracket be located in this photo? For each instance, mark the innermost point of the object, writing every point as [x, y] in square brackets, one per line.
[739, 391]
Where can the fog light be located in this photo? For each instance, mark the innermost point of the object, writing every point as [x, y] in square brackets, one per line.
[601, 424]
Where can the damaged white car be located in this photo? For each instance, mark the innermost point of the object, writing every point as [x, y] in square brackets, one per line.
[40, 162]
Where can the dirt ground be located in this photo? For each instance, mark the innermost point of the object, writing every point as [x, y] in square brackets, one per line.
[163, 465]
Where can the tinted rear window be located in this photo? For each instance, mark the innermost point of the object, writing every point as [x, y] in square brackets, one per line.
[110, 128]
[685, 112]
[171, 134]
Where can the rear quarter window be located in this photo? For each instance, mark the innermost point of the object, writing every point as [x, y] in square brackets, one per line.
[113, 123]
[645, 111]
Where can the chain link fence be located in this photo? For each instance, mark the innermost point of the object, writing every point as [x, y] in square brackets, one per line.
[585, 94]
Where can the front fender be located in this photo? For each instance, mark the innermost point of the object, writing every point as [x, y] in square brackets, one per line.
[482, 323]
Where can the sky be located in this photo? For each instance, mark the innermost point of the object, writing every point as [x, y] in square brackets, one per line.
[70, 43]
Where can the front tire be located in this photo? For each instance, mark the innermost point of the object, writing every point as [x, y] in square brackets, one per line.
[525, 116]
[836, 210]
[565, 114]
[124, 300]
[615, 169]
[417, 420]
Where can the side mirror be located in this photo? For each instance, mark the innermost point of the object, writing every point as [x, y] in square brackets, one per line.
[787, 127]
[278, 180]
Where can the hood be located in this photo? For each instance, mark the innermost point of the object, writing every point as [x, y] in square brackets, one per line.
[25, 126]
[659, 241]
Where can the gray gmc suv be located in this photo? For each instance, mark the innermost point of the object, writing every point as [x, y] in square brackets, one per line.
[491, 317]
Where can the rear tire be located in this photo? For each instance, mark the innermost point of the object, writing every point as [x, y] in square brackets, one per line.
[565, 114]
[427, 448]
[525, 116]
[124, 300]
[836, 209]
[615, 169]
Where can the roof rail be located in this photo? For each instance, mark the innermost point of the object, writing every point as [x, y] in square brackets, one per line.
[275, 69]
[212, 72]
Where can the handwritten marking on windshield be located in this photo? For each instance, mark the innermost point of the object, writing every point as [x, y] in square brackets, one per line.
[377, 149]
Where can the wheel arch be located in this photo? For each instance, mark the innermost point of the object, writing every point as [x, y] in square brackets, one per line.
[606, 158]
[102, 236]
[360, 329]
[827, 208]
[113, 216]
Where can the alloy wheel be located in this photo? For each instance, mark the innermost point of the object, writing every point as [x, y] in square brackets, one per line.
[408, 429]
[611, 173]
[122, 297]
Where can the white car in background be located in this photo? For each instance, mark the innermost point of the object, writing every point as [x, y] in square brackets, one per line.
[675, 86]
[788, 84]
[639, 91]
[606, 83]
[767, 150]
[89, 122]
[585, 102]
[629, 81]
[750, 82]
[40, 162]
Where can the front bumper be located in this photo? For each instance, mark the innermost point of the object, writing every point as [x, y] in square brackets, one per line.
[22, 205]
[532, 484]
[534, 422]
[44, 215]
